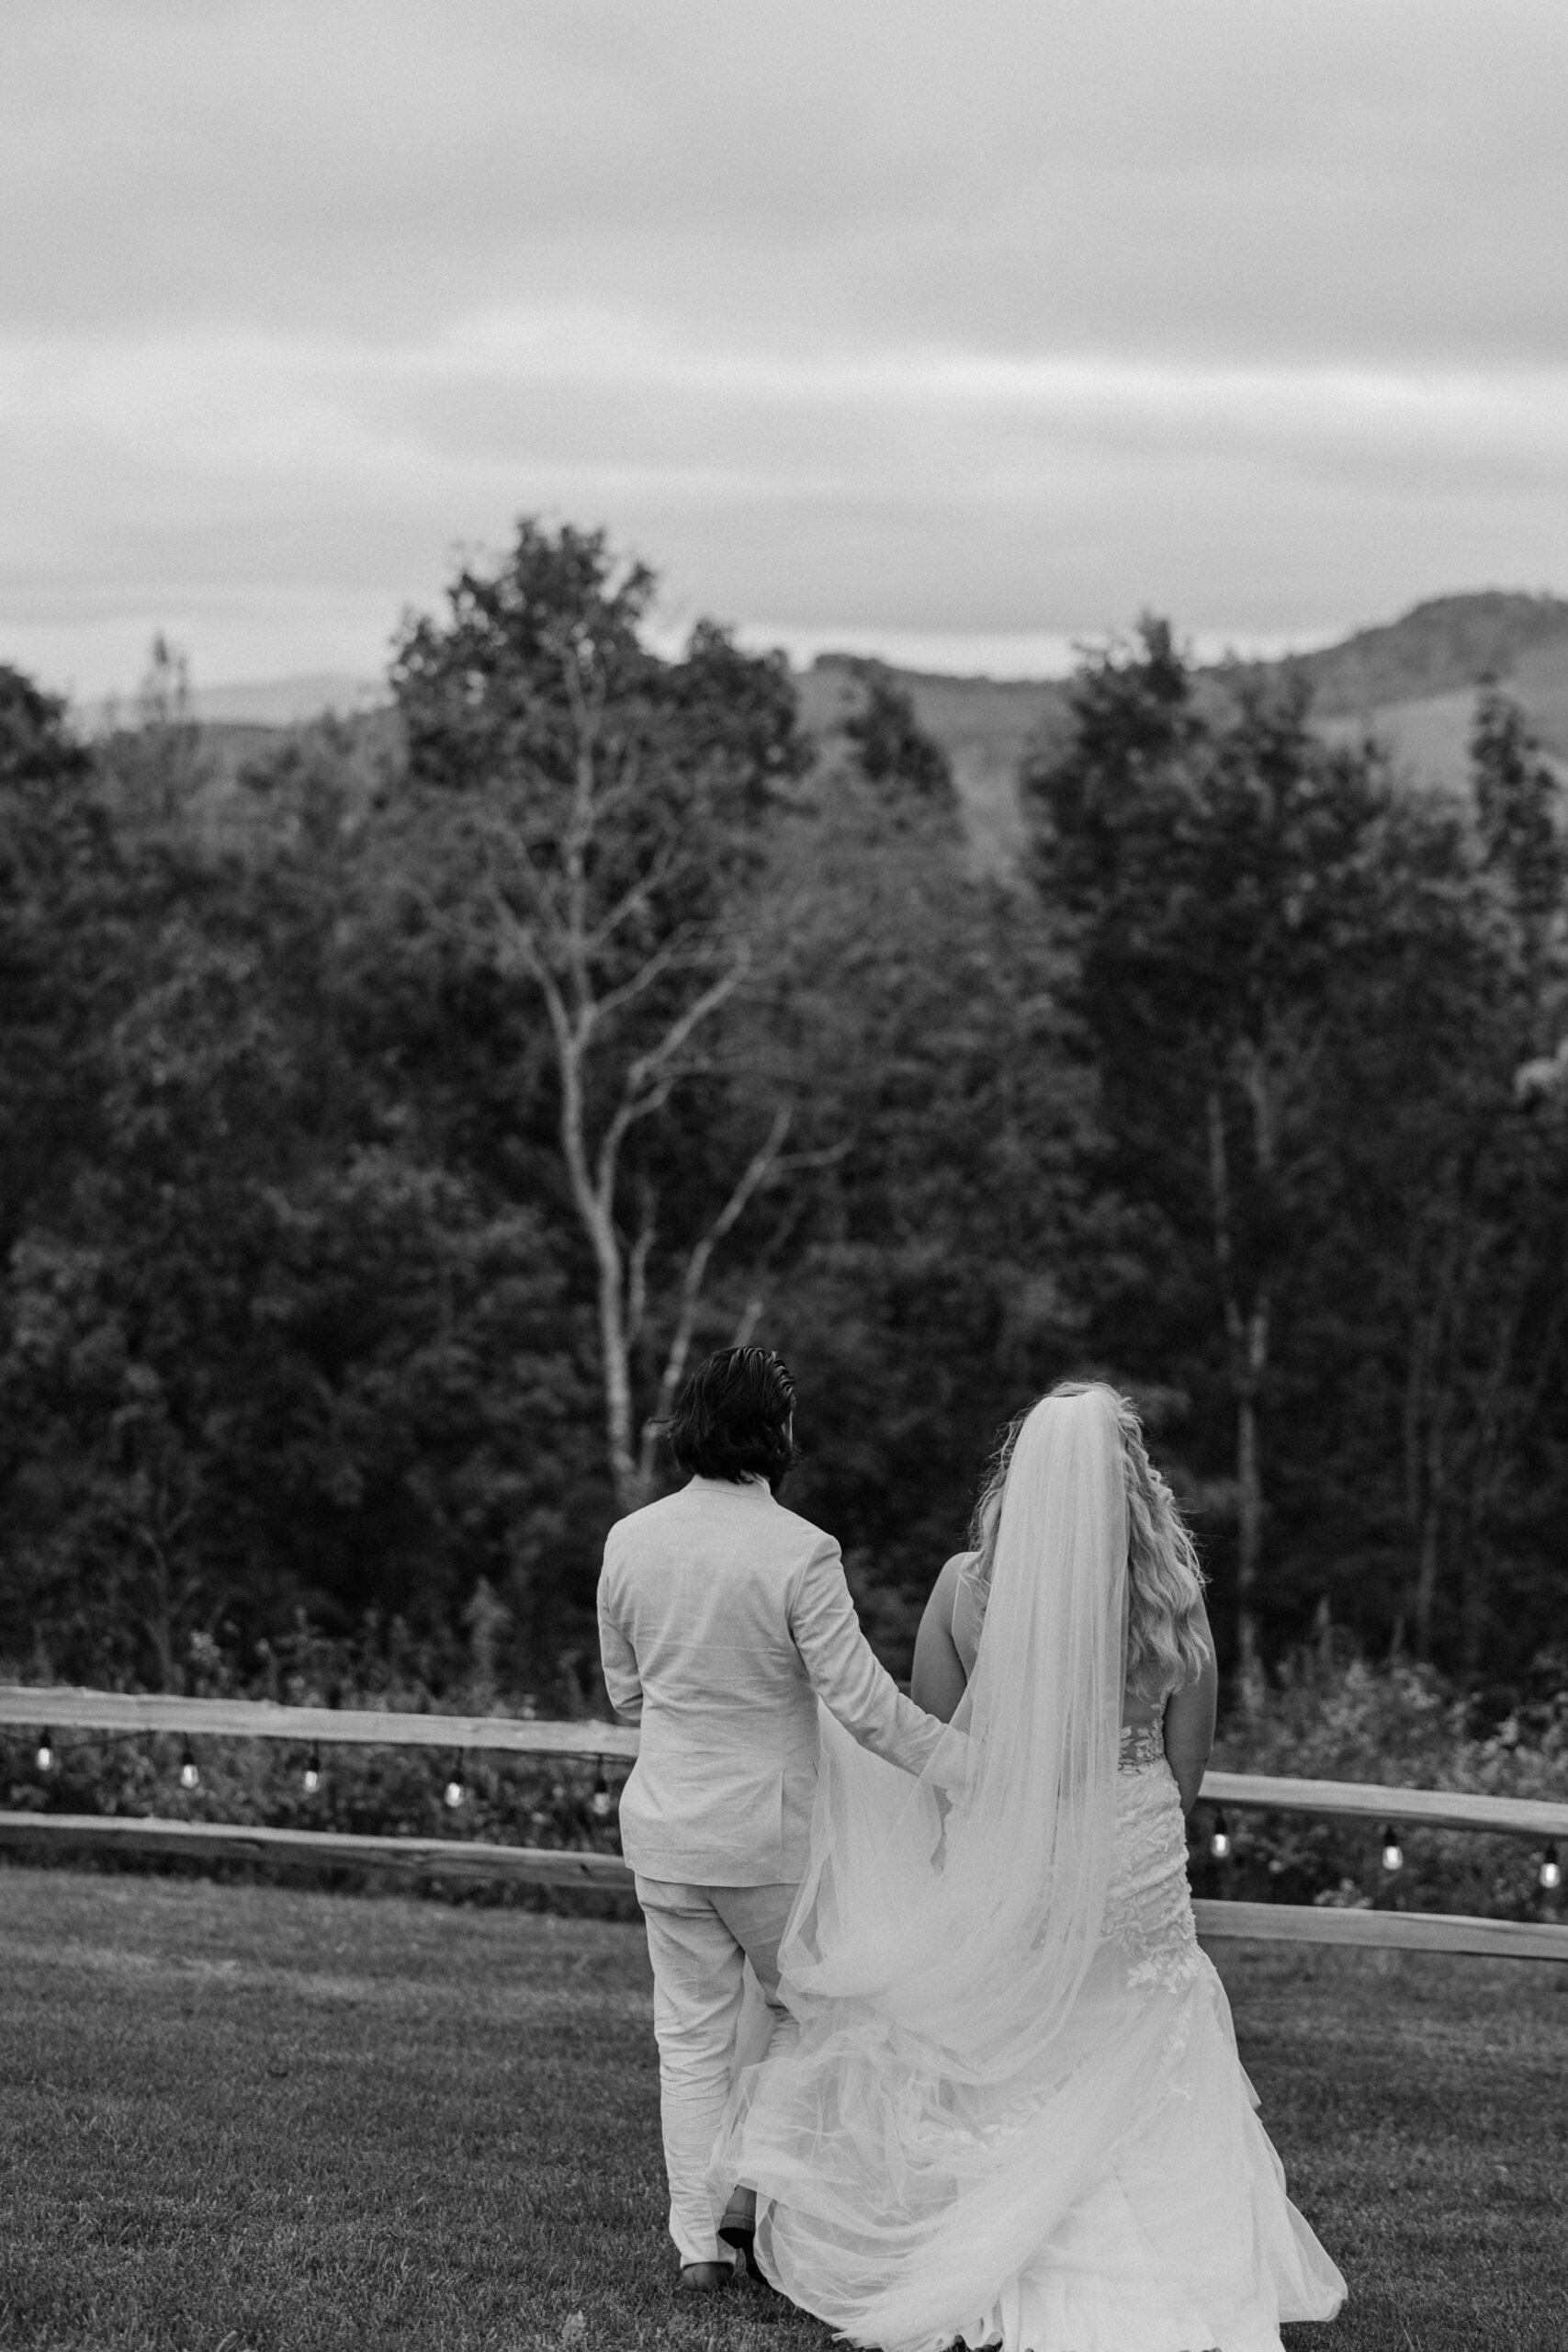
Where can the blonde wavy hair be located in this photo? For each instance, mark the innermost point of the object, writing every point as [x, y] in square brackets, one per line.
[1165, 1582]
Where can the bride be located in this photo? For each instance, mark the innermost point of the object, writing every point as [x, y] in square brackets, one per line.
[1014, 2114]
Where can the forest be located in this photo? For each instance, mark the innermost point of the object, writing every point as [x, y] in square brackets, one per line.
[391, 1119]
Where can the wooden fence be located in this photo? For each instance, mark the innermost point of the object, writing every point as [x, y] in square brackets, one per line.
[56, 1710]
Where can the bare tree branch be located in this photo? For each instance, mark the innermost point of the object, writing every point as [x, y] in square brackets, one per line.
[686, 1023]
[754, 1174]
[665, 958]
[751, 1315]
[571, 895]
[636, 1264]
[666, 863]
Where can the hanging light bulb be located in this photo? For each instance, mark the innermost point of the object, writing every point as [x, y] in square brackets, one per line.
[45, 1757]
[313, 1772]
[1550, 1876]
[1392, 1851]
[601, 1803]
[454, 1790]
[1220, 1843]
[189, 1777]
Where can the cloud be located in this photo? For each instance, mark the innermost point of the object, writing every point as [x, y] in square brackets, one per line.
[981, 326]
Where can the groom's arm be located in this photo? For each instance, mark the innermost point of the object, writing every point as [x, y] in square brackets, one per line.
[845, 1671]
[617, 1657]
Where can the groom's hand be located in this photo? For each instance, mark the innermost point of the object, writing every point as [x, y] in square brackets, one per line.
[949, 1766]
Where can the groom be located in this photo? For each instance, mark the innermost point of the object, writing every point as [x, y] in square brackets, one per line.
[723, 1619]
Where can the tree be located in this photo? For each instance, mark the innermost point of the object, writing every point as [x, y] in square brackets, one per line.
[56, 861]
[1517, 801]
[908, 769]
[607, 809]
[1477, 1284]
[936, 1256]
[1213, 865]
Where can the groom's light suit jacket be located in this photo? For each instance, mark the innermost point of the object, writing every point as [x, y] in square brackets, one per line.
[723, 1619]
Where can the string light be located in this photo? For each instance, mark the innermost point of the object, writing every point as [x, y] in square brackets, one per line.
[601, 1803]
[45, 1757]
[313, 1772]
[1220, 1843]
[1550, 1876]
[189, 1777]
[1392, 1851]
[456, 1792]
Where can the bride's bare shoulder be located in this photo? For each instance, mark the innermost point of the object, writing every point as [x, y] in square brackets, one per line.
[945, 1588]
[940, 1672]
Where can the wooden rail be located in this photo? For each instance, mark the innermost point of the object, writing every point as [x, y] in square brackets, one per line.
[58, 1709]
[1406, 1808]
[63, 1709]
[123, 1710]
[428, 1858]
[222, 1841]
[1303, 1923]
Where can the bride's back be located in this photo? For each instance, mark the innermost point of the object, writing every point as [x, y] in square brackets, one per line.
[966, 1616]
[1169, 1681]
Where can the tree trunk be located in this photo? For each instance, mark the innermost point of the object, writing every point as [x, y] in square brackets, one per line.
[557, 938]
[159, 1622]
[1249, 1502]
[1412, 1410]
[1434, 1467]
[615, 1349]
[1423, 1474]
[1247, 1334]
[593, 1196]
[1428, 1558]
[756, 1173]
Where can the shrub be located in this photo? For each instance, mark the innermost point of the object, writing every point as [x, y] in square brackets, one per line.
[1325, 1718]
[368, 1792]
[1402, 1727]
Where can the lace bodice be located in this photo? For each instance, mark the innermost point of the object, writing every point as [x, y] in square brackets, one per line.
[1148, 1913]
[1141, 1744]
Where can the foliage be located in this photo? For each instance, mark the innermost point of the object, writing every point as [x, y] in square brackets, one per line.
[586, 819]
[57, 858]
[384, 1129]
[1303, 996]
[1217, 873]
[902, 764]
[363, 1790]
[1328, 1718]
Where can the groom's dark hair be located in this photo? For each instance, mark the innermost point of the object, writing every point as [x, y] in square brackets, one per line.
[732, 1416]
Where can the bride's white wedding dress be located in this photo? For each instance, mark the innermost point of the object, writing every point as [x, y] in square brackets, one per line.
[1015, 2114]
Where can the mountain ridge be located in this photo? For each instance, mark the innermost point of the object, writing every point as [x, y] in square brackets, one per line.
[1442, 645]
[1410, 682]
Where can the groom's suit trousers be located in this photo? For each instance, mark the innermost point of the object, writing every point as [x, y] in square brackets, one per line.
[699, 1938]
[724, 1622]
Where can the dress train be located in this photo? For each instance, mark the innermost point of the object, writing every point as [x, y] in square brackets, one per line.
[1126, 2200]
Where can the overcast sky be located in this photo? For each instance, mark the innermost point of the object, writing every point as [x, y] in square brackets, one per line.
[950, 331]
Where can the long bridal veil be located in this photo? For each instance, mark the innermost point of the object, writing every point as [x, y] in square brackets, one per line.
[940, 1957]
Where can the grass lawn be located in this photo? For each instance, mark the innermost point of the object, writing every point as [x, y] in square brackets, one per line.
[249, 2119]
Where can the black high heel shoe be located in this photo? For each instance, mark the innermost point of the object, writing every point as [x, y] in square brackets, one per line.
[742, 2236]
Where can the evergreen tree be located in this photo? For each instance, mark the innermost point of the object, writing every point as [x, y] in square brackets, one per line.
[1213, 869]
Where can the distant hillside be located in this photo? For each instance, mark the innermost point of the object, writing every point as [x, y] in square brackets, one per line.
[1411, 682]
[985, 725]
[1440, 648]
[259, 702]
